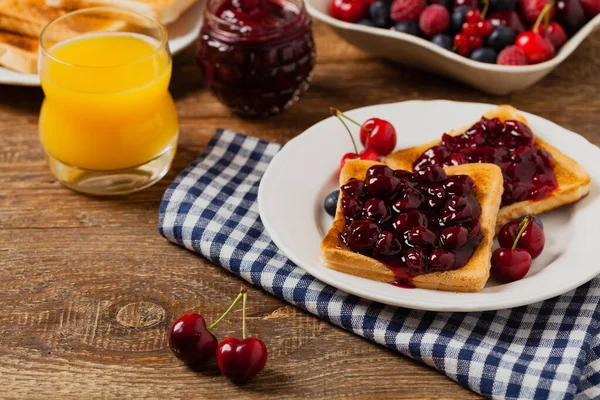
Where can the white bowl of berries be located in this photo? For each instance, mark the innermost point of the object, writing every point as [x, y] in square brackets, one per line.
[497, 46]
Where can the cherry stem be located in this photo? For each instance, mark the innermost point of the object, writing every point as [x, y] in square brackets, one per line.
[522, 227]
[335, 112]
[338, 113]
[244, 298]
[486, 6]
[237, 299]
[538, 21]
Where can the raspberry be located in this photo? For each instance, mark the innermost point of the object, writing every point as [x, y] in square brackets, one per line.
[591, 7]
[512, 55]
[434, 19]
[407, 10]
[530, 9]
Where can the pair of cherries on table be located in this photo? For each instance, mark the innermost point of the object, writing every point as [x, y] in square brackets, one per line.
[193, 343]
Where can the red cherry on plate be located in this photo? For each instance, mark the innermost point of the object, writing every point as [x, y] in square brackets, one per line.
[347, 157]
[369, 154]
[537, 48]
[532, 239]
[191, 341]
[241, 360]
[379, 135]
[509, 265]
[349, 10]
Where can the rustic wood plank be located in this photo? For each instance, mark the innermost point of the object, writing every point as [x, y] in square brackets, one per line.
[88, 288]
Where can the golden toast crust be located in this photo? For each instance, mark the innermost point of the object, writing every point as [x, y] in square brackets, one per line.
[573, 181]
[18, 52]
[166, 11]
[470, 278]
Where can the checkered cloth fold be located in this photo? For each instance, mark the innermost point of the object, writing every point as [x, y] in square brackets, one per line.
[545, 350]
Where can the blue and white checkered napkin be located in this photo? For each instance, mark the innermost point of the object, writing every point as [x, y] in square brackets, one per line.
[546, 350]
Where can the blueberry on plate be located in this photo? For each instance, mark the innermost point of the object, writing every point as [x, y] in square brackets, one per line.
[485, 55]
[331, 201]
[501, 37]
[458, 18]
[380, 13]
[410, 27]
[443, 40]
[502, 5]
[367, 22]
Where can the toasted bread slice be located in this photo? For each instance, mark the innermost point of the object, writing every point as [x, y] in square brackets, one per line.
[470, 278]
[29, 17]
[573, 181]
[19, 53]
[166, 11]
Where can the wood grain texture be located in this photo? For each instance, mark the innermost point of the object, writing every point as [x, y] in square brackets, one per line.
[88, 288]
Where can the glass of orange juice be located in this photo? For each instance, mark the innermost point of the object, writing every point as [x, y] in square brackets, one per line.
[108, 124]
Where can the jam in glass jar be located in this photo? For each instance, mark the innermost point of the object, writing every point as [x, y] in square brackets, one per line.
[256, 55]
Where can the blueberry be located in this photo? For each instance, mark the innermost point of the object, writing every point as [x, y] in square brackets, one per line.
[485, 55]
[443, 40]
[502, 5]
[410, 27]
[331, 202]
[380, 13]
[458, 18]
[367, 22]
[501, 37]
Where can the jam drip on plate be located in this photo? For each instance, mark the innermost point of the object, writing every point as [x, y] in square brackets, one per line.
[527, 171]
[413, 223]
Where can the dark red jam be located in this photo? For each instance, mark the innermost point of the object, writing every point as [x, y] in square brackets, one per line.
[528, 171]
[257, 55]
[413, 223]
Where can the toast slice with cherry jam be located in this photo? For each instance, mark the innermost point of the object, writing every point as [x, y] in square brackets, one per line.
[432, 229]
[537, 176]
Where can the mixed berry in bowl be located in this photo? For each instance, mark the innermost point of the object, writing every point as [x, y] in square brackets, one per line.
[416, 223]
[505, 32]
[256, 55]
[527, 170]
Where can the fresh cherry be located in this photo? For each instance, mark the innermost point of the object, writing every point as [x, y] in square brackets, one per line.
[379, 135]
[369, 154]
[532, 238]
[509, 265]
[191, 341]
[556, 34]
[241, 360]
[349, 10]
[375, 134]
[536, 46]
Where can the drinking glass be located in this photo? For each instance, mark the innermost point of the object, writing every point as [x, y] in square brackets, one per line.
[108, 124]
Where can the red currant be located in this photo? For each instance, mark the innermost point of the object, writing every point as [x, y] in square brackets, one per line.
[473, 16]
[461, 40]
[484, 28]
[469, 28]
[475, 42]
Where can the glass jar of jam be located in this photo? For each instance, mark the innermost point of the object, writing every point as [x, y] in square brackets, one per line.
[256, 55]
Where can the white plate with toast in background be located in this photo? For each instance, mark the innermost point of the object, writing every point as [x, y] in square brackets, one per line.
[182, 33]
[294, 186]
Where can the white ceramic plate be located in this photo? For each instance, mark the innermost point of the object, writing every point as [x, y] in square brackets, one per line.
[291, 194]
[182, 33]
[411, 50]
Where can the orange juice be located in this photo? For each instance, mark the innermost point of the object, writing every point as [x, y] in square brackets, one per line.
[107, 103]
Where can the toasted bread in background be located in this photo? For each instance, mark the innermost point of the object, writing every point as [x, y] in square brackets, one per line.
[29, 17]
[470, 278]
[166, 11]
[18, 52]
[573, 181]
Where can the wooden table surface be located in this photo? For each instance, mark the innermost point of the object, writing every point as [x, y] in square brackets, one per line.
[88, 288]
